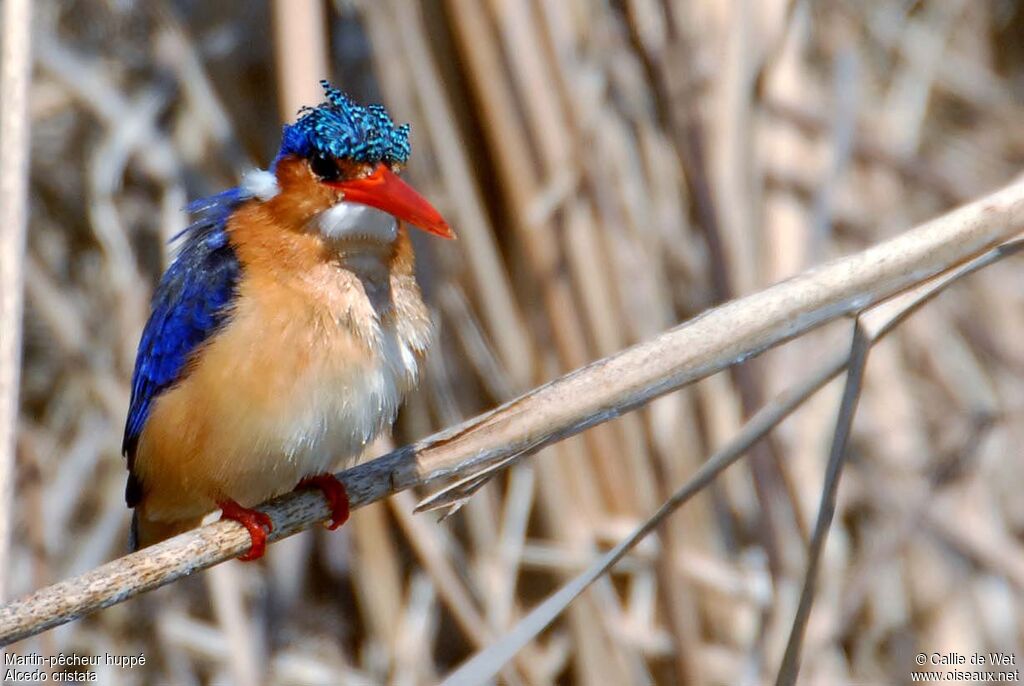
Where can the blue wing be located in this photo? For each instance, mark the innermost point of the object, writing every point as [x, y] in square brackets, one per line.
[190, 304]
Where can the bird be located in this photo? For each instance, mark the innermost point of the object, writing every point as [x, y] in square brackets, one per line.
[284, 333]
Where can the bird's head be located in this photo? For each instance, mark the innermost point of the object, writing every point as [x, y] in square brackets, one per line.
[338, 168]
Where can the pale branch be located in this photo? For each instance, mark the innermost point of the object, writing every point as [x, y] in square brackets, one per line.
[485, 664]
[15, 77]
[593, 394]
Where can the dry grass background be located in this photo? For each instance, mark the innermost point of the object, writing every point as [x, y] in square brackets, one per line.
[612, 168]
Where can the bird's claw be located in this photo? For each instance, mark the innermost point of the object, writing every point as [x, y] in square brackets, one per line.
[257, 523]
[335, 493]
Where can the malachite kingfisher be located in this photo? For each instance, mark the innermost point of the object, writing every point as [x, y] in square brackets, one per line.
[284, 333]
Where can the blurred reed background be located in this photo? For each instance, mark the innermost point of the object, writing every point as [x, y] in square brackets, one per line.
[612, 168]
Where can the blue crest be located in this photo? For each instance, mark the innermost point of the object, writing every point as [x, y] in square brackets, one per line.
[343, 129]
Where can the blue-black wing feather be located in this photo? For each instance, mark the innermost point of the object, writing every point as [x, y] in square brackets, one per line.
[191, 303]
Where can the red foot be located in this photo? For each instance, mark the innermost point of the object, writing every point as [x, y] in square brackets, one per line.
[334, 491]
[258, 523]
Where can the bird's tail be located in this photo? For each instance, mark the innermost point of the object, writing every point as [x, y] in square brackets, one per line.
[145, 532]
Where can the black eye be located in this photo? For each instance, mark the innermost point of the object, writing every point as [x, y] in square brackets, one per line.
[325, 168]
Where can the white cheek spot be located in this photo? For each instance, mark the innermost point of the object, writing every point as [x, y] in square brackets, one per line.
[353, 220]
[260, 183]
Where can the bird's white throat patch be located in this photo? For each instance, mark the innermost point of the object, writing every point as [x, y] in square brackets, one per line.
[353, 220]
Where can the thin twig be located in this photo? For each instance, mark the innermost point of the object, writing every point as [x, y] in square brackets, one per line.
[836, 459]
[566, 406]
[15, 76]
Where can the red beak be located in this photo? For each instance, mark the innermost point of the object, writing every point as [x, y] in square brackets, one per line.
[385, 191]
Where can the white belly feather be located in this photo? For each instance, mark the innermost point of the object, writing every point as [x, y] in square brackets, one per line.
[337, 413]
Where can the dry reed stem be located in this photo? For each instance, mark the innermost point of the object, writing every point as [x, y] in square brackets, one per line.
[485, 664]
[534, 181]
[476, 235]
[682, 115]
[300, 35]
[593, 394]
[15, 76]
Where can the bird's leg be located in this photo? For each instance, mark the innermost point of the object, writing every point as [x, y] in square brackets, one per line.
[258, 524]
[335, 493]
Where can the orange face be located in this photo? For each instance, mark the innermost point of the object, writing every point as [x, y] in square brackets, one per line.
[306, 188]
